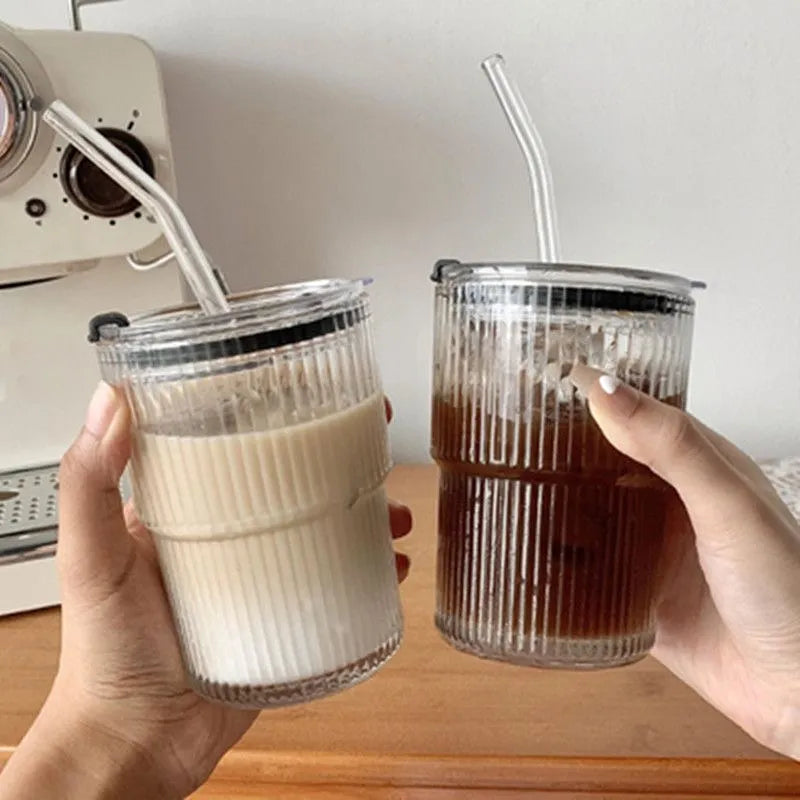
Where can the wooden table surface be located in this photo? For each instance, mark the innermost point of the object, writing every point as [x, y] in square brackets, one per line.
[435, 724]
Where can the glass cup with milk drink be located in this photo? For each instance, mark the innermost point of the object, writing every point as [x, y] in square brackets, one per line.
[259, 453]
[551, 542]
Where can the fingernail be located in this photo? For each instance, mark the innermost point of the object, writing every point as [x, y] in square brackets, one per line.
[583, 378]
[400, 520]
[609, 384]
[403, 565]
[102, 407]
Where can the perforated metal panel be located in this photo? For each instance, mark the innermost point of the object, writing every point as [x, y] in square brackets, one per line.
[28, 513]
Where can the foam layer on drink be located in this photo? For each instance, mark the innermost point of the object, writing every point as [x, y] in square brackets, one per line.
[274, 545]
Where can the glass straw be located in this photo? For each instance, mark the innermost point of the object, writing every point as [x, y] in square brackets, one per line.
[192, 260]
[544, 206]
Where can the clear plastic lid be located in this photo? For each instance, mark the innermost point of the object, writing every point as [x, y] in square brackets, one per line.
[257, 321]
[573, 285]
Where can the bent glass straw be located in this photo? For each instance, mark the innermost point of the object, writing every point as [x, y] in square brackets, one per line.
[192, 260]
[544, 206]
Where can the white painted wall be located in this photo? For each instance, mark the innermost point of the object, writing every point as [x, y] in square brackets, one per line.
[359, 137]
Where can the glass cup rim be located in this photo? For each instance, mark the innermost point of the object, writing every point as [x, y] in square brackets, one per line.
[453, 272]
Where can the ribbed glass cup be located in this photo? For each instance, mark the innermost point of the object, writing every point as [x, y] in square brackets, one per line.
[550, 542]
[259, 455]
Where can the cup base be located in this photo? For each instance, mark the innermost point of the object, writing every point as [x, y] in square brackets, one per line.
[295, 692]
[556, 652]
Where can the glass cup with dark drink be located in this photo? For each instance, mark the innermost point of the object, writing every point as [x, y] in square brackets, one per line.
[551, 542]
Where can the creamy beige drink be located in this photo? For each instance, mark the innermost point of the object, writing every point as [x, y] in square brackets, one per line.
[273, 526]
[260, 449]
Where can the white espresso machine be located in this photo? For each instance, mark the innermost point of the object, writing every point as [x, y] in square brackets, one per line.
[72, 244]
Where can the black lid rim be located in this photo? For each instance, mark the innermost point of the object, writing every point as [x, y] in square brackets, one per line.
[248, 344]
[258, 321]
[240, 302]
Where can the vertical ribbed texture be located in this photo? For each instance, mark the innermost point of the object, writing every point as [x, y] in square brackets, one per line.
[209, 486]
[267, 609]
[550, 541]
[261, 476]
[276, 552]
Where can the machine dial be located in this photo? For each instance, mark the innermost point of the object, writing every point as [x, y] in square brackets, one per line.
[24, 91]
[91, 189]
[8, 118]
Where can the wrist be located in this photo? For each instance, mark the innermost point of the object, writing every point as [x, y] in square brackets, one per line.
[68, 752]
[115, 766]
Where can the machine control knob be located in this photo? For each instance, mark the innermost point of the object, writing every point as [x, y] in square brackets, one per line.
[91, 189]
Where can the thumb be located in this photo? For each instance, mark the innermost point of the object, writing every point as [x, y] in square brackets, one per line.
[94, 548]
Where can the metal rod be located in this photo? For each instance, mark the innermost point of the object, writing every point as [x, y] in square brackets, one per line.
[145, 266]
[159, 261]
[75, 11]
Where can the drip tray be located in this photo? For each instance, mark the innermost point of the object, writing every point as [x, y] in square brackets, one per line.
[28, 513]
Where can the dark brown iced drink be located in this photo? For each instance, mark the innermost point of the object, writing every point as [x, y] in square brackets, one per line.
[551, 542]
